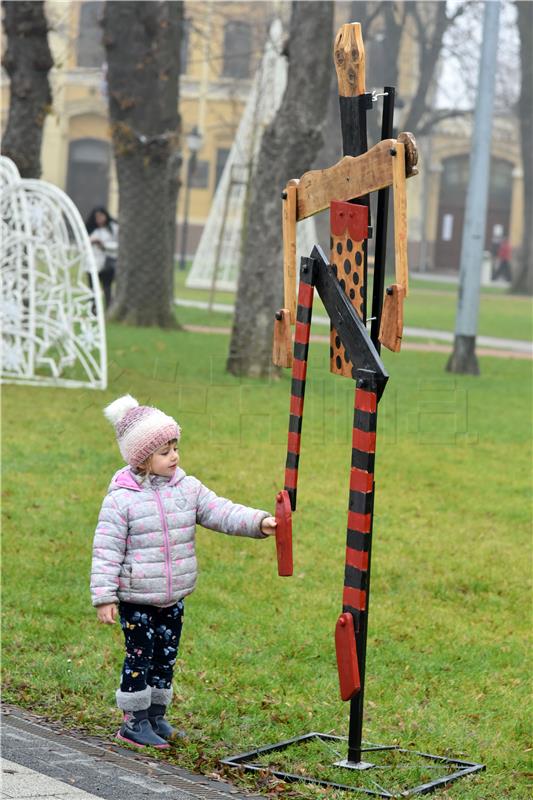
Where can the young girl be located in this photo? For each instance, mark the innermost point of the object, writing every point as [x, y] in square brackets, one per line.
[144, 559]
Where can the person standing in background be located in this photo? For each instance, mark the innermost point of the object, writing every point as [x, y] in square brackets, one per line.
[503, 270]
[103, 235]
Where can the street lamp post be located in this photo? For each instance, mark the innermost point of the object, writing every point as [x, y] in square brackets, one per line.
[194, 143]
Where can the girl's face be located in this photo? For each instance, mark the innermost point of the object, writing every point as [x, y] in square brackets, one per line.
[100, 218]
[165, 460]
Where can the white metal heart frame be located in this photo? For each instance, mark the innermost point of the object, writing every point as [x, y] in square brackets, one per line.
[53, 329]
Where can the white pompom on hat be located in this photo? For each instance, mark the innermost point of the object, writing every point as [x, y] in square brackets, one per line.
[140, 430]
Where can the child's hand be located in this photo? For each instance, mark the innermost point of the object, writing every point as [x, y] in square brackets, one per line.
[107, 613]
[268, 526]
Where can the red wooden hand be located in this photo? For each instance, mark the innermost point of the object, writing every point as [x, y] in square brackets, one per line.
[284, 534]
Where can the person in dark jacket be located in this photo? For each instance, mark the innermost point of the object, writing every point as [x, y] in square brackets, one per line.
[103, 235]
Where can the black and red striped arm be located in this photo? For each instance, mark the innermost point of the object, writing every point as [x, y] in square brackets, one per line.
[299, 374]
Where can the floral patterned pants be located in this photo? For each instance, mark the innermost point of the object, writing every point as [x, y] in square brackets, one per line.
[152, 638]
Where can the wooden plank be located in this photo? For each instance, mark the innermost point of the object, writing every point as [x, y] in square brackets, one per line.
[289, 248]
[351, 177]
[282, 344]
[391, 327]
[400, 217]
[349, 57]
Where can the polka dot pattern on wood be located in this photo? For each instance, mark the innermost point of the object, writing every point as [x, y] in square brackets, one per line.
[347, 262]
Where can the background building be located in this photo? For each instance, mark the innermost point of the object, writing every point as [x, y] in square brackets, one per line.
[222, 44]
[221, 47]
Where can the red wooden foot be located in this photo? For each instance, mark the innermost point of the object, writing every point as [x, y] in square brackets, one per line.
[347, 657]
[284, 533]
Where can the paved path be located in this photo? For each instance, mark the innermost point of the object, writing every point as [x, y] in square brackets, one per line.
[42, 761]
[486, 345]
[20, 782]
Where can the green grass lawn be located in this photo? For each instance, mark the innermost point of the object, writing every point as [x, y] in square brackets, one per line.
[429, 305]
[448, 649]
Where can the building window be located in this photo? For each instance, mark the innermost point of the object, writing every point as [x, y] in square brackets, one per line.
[222, 155]
[88, 174]
[200, 176]
[237, 50]
[90, 50]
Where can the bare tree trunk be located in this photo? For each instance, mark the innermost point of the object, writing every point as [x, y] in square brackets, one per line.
[288, 149]
[27, 61]
[142, 44]
[523, 281]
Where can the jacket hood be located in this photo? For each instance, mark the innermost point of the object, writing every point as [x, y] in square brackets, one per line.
[126, 479]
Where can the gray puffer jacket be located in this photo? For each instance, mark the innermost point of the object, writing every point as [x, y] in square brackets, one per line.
[144, 550]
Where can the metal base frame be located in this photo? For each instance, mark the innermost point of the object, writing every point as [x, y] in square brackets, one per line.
[246, 761]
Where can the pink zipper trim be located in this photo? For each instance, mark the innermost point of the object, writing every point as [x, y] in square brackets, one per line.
[167, 545]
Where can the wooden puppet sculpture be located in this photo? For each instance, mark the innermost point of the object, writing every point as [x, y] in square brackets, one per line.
[341, 283]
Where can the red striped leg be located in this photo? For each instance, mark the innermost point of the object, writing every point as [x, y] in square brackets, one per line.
[358, 541]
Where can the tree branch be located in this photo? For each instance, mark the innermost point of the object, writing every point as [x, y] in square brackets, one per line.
[438, 116]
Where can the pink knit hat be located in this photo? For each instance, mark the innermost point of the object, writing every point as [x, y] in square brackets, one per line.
[140, 429]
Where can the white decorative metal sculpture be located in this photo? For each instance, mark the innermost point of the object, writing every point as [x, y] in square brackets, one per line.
[53, 331]
[216, 261]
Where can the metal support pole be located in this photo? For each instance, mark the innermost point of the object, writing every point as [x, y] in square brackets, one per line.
[463, 358]
[380, 251]
[354, 139]
[355, 729]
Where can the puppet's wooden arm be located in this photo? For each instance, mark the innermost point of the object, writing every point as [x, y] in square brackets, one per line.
[391, 326]
[289, 197]
[286, 316]
[388, 163]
